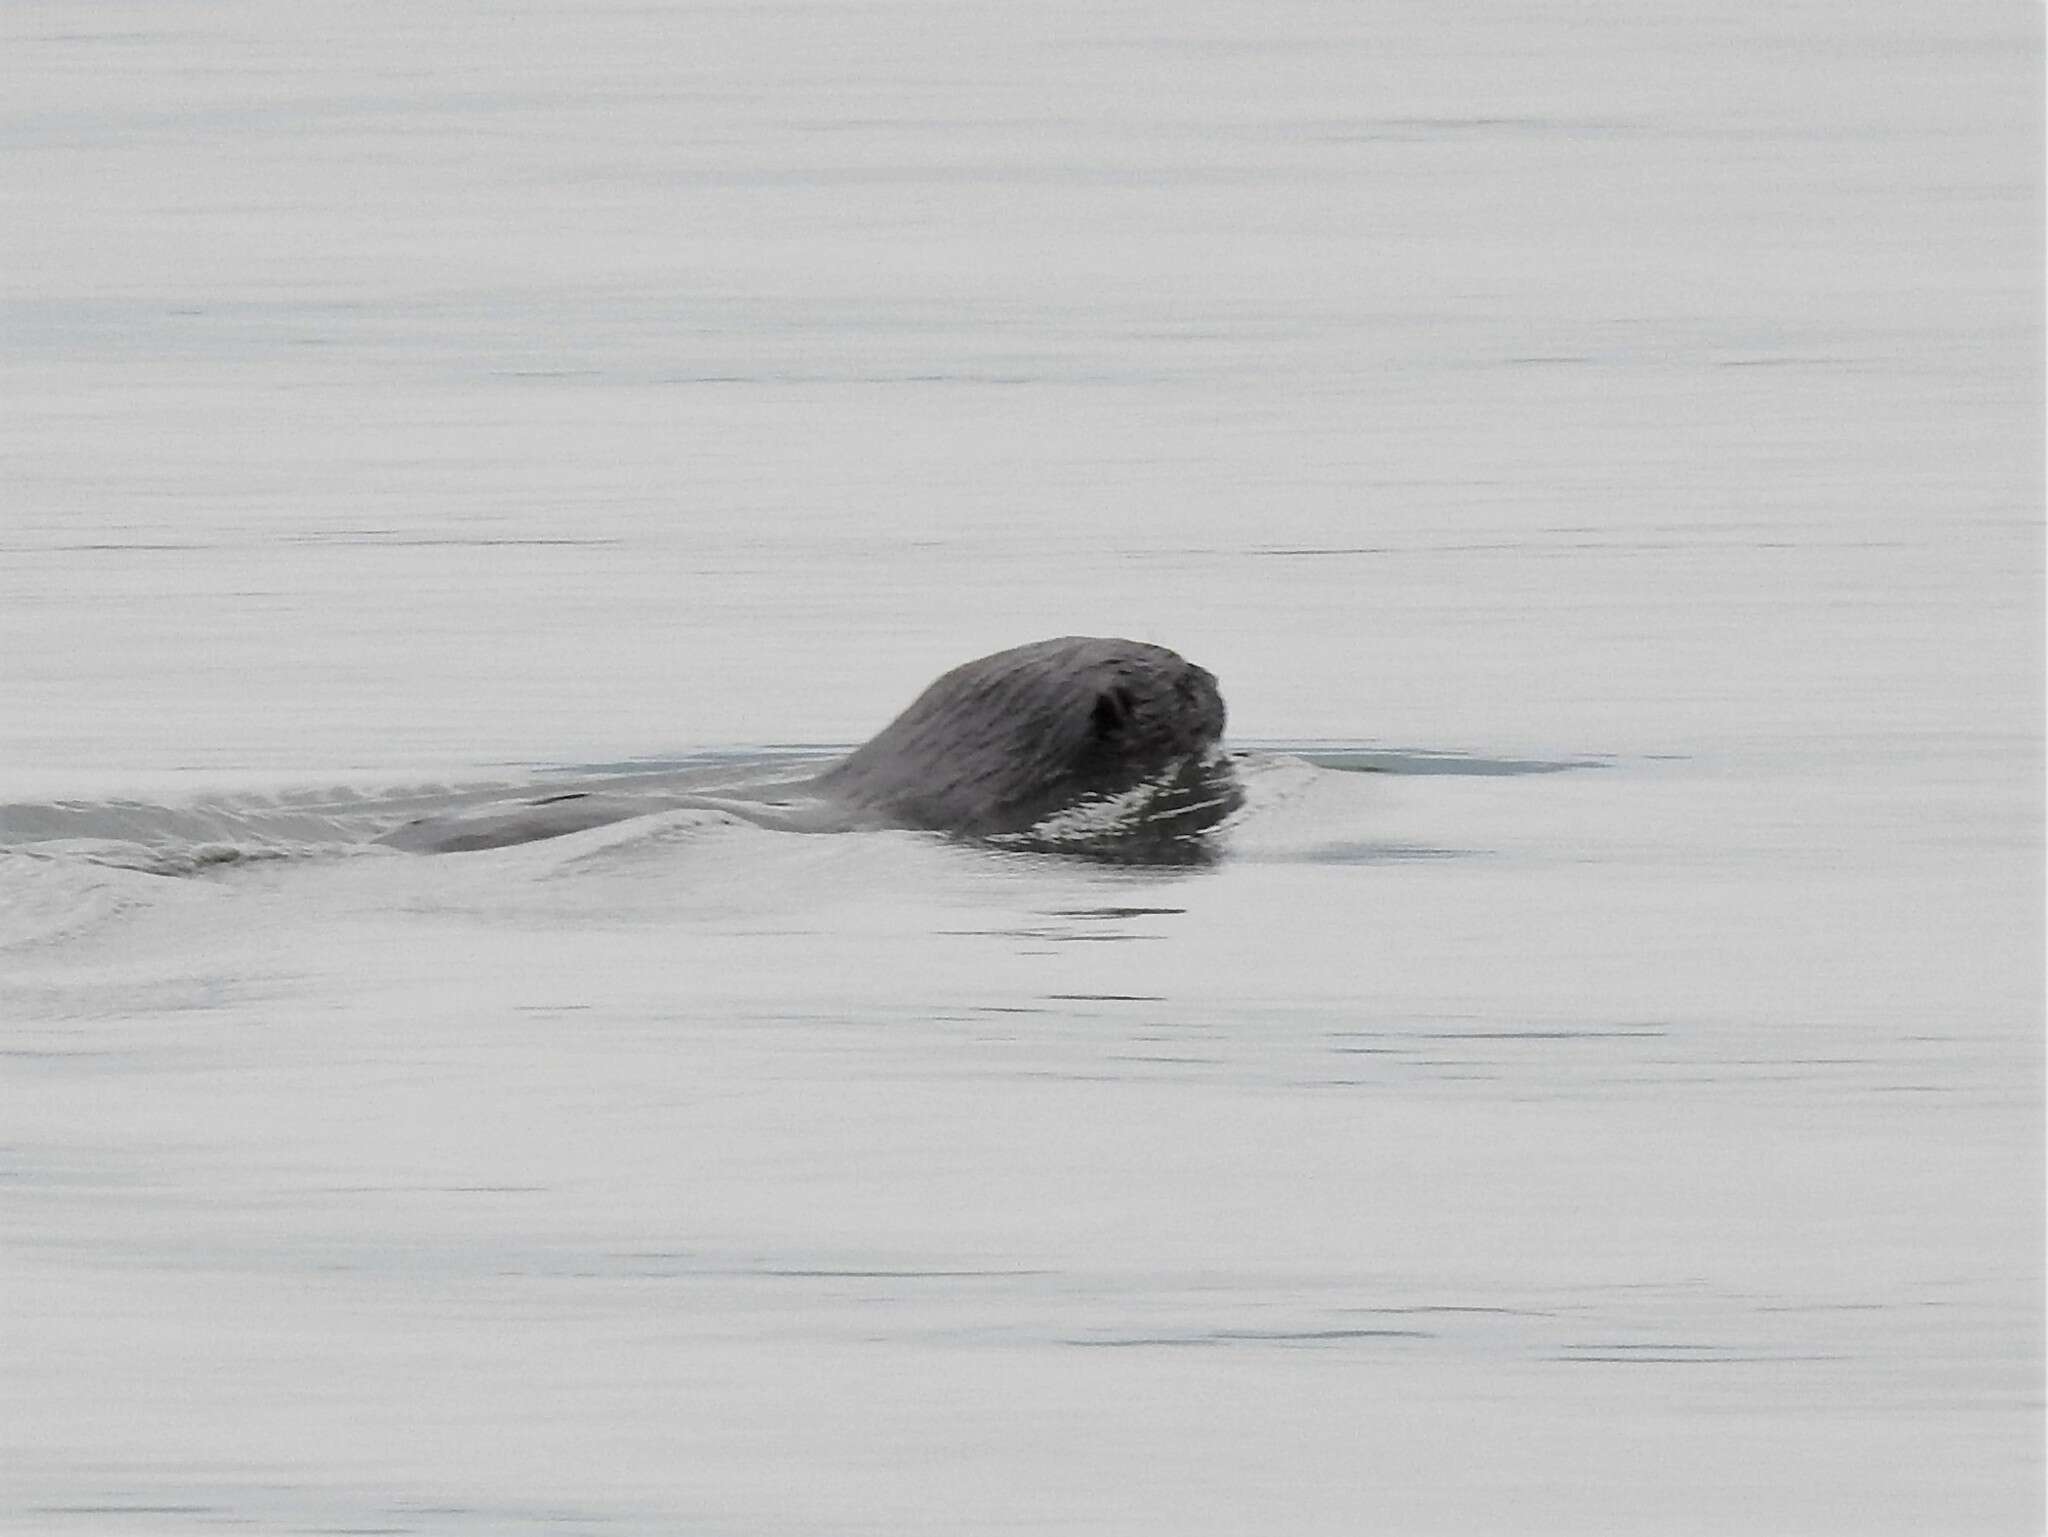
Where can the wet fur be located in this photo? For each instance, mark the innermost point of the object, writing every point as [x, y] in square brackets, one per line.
[1000, 743]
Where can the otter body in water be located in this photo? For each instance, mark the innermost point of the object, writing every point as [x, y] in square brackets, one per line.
[999, 744]
[1085, 745]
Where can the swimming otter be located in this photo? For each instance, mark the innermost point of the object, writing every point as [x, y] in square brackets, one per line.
[998, 744]
[1085, 745]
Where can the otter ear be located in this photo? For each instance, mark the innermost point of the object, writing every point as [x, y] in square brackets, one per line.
[1112, 711]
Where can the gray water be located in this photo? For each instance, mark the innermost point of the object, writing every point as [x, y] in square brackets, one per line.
[1599, 1087]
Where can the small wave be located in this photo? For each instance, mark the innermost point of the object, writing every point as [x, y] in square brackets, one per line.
[212, 832]
[46, 900]
[1238, 802]
[1168, 819]
[187, 837]
[1355, 758]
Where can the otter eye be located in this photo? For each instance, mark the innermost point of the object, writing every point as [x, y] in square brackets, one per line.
[1112, 711]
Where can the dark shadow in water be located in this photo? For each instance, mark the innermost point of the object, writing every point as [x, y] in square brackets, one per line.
[1251, 1337]
[1363, 852]
[1348, 759]
[1113, 912]
[1679, 1355]
[795, 1274]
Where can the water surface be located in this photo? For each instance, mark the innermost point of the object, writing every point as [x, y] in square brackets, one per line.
[1597, 1088]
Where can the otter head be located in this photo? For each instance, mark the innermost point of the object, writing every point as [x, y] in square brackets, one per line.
[998, 745]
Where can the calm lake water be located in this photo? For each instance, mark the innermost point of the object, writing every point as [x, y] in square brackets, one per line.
[1597, 448]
